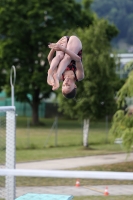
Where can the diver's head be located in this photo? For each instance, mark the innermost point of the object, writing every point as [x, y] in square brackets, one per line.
[69, 88]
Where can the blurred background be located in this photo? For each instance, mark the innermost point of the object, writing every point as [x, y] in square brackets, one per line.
[99, 120]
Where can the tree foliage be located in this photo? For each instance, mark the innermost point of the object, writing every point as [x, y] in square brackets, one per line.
[122, 125]
[95, 94]
[26, 28]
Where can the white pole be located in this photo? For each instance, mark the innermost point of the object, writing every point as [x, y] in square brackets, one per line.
[10, 153]
[11, 140]
[106, 175]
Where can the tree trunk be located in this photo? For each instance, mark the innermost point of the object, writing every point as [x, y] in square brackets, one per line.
[35, 115]
[85, 132]
[35, 107]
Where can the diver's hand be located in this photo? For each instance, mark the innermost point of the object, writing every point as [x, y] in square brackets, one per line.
[56, 47]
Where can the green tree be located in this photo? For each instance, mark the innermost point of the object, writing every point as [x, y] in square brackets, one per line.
[26, 27]
[95, 94]
[122, 125]
[3, 78]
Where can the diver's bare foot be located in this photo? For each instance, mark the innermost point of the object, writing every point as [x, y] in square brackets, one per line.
[50, 79]
[56, 82]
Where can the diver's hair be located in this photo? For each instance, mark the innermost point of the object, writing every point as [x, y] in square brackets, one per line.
[71, 94]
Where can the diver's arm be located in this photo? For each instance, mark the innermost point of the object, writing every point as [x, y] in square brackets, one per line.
[50, 55]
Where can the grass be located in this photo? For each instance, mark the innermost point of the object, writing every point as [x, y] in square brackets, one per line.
[121, 167]
[43, 142]
[101, 198]
[125, 166]
[105, 198]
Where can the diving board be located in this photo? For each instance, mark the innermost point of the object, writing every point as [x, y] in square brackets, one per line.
[32, 196]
